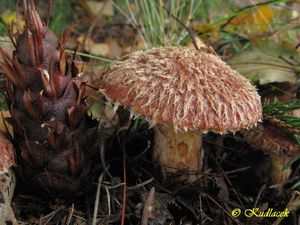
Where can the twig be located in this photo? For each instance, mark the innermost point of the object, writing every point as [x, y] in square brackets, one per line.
[217, 204]
[148, 206]
[87, 209]
[200, 209]
[237, 170]
[97, 199]
[108, 203]
[143, 152]
[102, 159]
[258, 195]
[124, 189]
[226, 179]
[70, 215]
[190, 208]
[291, 205]
[232, 187]
[141, 184]
[128, 188]
[50, 216]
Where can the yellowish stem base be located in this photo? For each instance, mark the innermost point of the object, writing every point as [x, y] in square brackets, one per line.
[178, 151]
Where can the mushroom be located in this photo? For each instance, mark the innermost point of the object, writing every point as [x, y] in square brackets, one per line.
[7, 181]
[277, 144]
[183, 93]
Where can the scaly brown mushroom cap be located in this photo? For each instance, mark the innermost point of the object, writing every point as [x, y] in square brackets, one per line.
[185, 88]
[277, 144]
[271, 140]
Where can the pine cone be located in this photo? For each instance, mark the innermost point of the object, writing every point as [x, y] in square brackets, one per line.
[53, 133]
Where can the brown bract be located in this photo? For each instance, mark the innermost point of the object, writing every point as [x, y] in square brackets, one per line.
[7, 155]
[185, 88]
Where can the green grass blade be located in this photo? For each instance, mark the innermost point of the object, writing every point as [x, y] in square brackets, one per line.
[90, 56]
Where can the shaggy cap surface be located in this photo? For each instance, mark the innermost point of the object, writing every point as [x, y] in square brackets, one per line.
[185, 88]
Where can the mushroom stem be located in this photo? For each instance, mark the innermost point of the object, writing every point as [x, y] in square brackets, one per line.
[178, 151]
[278, 174]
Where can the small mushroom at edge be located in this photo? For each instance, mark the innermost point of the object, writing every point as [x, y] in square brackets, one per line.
[277, 144]
[7, 181]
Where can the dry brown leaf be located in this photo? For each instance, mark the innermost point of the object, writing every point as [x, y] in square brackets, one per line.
[5, 115]
[268, 62]
[114, 49]
[99, 49]
[223, 194]
[200, 43]
[104, 8]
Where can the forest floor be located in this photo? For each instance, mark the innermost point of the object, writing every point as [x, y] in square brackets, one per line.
[260, 39]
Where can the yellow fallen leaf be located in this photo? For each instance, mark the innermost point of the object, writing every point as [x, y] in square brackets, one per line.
[258, 19]
[203, 27]
[8, 17]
